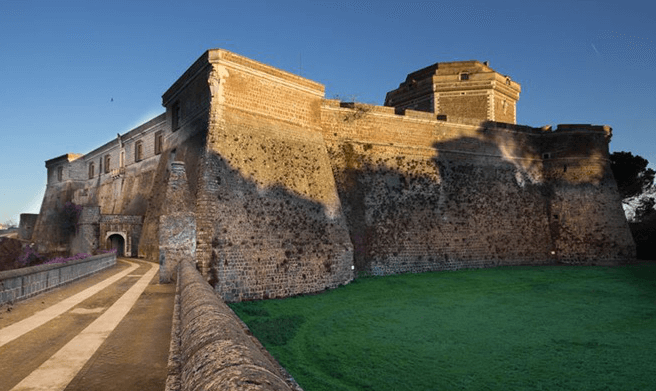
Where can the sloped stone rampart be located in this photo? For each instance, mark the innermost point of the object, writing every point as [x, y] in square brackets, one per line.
[216, 350]
[22, 283]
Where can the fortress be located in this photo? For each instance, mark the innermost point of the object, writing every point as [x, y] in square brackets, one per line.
[275, 190]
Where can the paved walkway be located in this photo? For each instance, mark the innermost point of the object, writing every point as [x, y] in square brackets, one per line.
[109, 331]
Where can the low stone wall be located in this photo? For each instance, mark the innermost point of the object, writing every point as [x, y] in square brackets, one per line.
[22, 283]
[211, 348]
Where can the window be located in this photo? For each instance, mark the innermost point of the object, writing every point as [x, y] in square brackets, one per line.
[92, 170]
[464, 76]
[546, 155]
[138, 151]
[107, 161]
[158, 142]
[60, 173]
[121, 159]
[175, 116]
[507, 81]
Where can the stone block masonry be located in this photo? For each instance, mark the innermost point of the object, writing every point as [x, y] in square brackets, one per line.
[288, 192]
[22, 283]
[211, 348]
[26, 225]
[177, 226]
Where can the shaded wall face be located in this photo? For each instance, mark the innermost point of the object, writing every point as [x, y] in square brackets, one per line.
[190, 151]
[423, 196]
[441, 198]
[126, 194]
[51, 233]
[86, 239]
[586, 218]
[185, 143]
[270, 201]
[126, 191]
[26, 225]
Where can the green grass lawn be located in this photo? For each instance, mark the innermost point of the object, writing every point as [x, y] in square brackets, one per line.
[508, 328]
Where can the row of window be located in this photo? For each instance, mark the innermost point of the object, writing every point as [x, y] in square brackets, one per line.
[138, 156]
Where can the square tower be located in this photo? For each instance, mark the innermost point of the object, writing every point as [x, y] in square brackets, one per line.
[463, 89]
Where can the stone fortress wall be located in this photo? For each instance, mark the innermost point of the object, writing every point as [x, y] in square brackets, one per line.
[294, 193]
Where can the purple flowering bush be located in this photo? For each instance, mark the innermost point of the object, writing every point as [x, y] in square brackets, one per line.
[63, 260]
[76, 257]
[29, 257]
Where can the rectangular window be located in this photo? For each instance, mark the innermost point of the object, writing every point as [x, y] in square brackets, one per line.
[138, 151]
[92, 170]
[107, 161]
[158, 142]
[60, 173]
[175, 116]
[121, 159]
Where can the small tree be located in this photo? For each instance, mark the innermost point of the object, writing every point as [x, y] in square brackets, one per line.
[29, 256]
[645, 211]
[631, 174]
[635, 182]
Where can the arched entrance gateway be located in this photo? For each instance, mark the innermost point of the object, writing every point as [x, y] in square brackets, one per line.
[117, 242]
[128, 230]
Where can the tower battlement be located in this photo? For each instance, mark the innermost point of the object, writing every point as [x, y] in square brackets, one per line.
[469, 89]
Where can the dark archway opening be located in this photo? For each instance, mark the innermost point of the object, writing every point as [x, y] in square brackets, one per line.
[117, 242]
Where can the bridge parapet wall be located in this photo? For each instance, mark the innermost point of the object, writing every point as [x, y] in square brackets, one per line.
[22, 283]
[211, 348]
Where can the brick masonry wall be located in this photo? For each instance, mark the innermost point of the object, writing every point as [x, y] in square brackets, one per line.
[212, 349]
[467, 106]
[48, 231]
[87, 233]
[269, 208]
[587, 222]
[22, 283]
[26, 225]
[504, 109]
[186, 144]
[126, 193]
[177, 225]
[423, 195]
[290, 190]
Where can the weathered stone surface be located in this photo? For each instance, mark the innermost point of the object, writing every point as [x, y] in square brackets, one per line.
[19, 284]
[177, 227]
[26, 225]
[290, 191]
[215, 353]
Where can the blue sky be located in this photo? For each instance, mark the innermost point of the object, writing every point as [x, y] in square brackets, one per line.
[62, 63]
